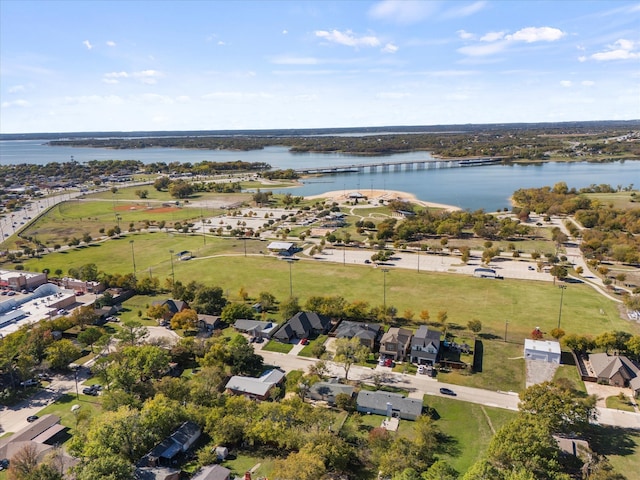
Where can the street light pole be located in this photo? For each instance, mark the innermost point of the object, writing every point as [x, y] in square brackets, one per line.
[133, 258]
[562, 289]
[384, 289]
[173, 274]
[506, 324]
[290, 262]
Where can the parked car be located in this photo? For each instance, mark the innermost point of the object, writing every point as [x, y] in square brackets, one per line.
[304, 341]
[447, 391]
[32, 418]
[530, 267]
[4, 464]
[388, 362]
[32, 382]
[90, 391]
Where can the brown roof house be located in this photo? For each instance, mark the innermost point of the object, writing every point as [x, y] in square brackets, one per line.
[616, 370]
[174, 306]
[395, 343]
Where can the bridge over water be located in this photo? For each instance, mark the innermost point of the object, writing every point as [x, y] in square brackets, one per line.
[401, 165]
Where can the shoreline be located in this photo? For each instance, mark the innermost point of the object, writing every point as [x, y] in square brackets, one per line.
[342, 196]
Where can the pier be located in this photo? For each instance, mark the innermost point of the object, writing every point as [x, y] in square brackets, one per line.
[403, 165]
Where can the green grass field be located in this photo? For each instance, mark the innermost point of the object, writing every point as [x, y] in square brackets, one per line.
[89, 405]
[524, 304]
[274, 346]
[615, 402]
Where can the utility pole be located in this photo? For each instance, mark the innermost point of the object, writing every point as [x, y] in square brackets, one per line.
[133, 258]
[173, 273]
[562, 289]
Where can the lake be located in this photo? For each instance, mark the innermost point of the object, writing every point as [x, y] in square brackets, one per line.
[487, 187]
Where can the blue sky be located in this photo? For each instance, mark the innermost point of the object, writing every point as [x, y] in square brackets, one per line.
[136, 65]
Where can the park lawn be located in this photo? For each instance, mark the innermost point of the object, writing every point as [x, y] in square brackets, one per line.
[132, 306]
[502, 369]
[524, 304]
[615, 402]
[62, 408]
[275, 346]
[620, 200]
[467, 425]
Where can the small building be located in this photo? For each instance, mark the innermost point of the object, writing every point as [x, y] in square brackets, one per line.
[181, 440]
[212, 472]
[281, 248]
[542, 350]
[21, 280]
[367, 333]
[395, 344]
[425, 346]
[328, 391]
[156, 473]
[82, 286]
[255, 388]
[173, 307]
[389, 404]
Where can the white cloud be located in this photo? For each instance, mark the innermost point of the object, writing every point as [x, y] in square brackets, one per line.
[16, 103]
[588, 83]
[239, 96]
[403, 11]
[582, 58]
[87, 44]
[492, 37]
[566, 83]
[149, 77]
[183, 99]
[389, 48]
[116, 75]
[221, 43]
[484, 49]
[94, 100]
[464, 11]
[348, 38]
[620, 50]
[464, 35]
[111, 43]
[537, 34]
[17, 89]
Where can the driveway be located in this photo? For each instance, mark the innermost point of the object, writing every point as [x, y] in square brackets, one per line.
[603, 391]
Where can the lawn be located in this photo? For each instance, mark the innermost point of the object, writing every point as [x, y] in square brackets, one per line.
[620, 446]
[275, 346]
[246, 460]
[618, 404]
[89, 405]
[570, 372]
[469, 425]
[306, 350]
[524, 304]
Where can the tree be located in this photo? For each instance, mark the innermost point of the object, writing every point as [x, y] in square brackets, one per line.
[24, 462]
[559, 271]
[90, 336]
[186, 320]
[109, 467]
[289, 308]
[266, 300]
[132, 332]
[348, 352]
[84, 316]
[61, 353]
[180, 189]
[560, 407]
[161, 183]
[475, 326]
[142, 193]
[302, 465]
[234, 311]
[208, 300]
[424, 315]
[579, 343]
[440, 470]
[158, 311]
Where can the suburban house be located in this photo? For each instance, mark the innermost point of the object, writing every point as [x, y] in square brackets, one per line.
[542, 350]
[395, 344]
[174, 306]
[367, 333]
[303, 325]
[255, 328]
[425, 345]
[616, 370]
[328, 391]
[389, 404]
[212, 472]
[178, 442]
[208, 323]
[255, 388]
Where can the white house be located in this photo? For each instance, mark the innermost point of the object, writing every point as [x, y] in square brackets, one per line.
[542, 350]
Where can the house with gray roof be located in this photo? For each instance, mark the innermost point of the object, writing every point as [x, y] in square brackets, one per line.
[212, 472]
[389, 404]
[303, 325]
[616, 370]
[328, 391]
[367, 333]
[179, 441]
[255, 388]
[395, 344]
[425, 345]
[255, 328]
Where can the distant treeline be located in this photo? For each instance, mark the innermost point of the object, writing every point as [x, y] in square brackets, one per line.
[512, 142]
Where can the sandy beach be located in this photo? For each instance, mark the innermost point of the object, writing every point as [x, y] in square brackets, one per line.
[373, 196]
